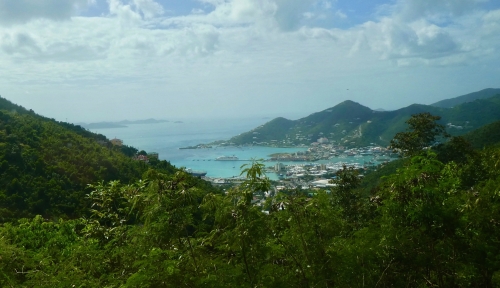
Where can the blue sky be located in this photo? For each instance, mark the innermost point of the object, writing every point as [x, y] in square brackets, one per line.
[92, 60]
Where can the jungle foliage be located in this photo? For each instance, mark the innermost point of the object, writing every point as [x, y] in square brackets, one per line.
[432, 222]
[45, 165]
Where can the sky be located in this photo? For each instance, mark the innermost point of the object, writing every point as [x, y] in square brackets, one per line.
[106, 60]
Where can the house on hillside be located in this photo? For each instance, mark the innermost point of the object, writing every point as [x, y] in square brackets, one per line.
[142, 158]
[116, 142]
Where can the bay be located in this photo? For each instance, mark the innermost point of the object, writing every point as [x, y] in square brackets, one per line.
[166, 139]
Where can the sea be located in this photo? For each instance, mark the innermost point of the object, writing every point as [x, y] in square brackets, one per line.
[166, 138]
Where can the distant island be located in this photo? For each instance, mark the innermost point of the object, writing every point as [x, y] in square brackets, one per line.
[102, 125]
[120, 124]
[146, 121]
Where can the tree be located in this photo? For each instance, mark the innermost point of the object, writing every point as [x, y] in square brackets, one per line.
[422, 132]
[346, 181]
[457, 149]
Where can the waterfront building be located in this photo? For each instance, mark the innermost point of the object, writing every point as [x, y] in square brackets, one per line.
[279, 167]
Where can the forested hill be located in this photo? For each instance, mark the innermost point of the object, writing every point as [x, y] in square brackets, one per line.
[45, 165]
[352, 123]
[485, 136]
[485, 93]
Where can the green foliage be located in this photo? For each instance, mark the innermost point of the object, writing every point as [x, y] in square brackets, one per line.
[485, 136]
[429, 224]
[46, 166]
[421, 133]
[432, 219]
[374, 175]
[457, 149]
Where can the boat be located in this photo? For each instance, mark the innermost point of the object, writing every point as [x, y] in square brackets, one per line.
[226, 158]
[196, 173]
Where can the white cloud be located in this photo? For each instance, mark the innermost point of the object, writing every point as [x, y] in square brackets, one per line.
[22, 11]
[236, 12]
[148, 8]
[491, 22]
[394, 39]
[19, 44]
[286, 15]
[124, 12]
[253, 54]
[289, 13]
[327, 5]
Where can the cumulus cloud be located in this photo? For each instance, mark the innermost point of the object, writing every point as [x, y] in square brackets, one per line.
[19, 43]
[195, 41]
[286, 15]
[22, 11]
[248, 48]
[124, 12]
[148, 8]
[22, 45]
[394, 39]
[290, 13]
[491, 22]
[237, 12]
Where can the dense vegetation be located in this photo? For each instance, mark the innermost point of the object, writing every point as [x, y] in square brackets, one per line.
[432, 222]
[46, 165]
[350, 123]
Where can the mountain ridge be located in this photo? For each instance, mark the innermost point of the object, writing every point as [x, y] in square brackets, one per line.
[482, 94]
[352, 123]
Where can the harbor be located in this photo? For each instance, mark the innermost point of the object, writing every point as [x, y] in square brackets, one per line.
[311, 163]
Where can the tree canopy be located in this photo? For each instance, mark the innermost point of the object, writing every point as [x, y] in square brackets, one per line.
[433, 221]
[422, 132]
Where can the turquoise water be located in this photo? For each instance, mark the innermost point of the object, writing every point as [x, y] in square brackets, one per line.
[167, 138]
[204, 159]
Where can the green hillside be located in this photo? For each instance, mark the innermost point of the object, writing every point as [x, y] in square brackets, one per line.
[350, 123]
[485, 136]
[448, 103]
[45, 165]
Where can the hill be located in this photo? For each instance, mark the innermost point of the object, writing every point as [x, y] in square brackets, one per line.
[485, 136]
[448, 103]
[45, 165]
[350, 123]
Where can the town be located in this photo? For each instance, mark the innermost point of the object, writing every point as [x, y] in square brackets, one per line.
[315, 167]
